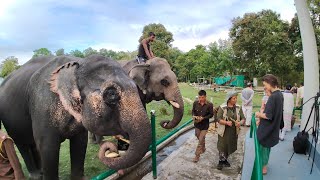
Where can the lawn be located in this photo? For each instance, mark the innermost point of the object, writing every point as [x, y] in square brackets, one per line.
[163, 112]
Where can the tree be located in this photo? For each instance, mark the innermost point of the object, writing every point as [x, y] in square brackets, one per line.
[108, 53]
[89, 51]
[8, 65]
[164, 38]
[223, 58]
[41, 52]
[173, 55]
[294, 33]
[60, 52]
[76, 53]
[261, 44]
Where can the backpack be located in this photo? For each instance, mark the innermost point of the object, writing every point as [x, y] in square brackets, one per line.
[301, 142]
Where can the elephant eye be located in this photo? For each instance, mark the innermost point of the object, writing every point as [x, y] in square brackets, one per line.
[165, 82]
[111, 96]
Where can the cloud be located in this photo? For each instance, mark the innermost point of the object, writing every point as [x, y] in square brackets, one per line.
[29, 25]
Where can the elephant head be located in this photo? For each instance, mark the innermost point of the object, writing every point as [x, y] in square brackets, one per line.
[98, 93]
[157, 81]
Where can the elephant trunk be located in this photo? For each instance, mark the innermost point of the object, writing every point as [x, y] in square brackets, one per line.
[178, 110]
[134, 121]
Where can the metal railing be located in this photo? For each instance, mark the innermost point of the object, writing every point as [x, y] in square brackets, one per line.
[257, 168]
[152, 147]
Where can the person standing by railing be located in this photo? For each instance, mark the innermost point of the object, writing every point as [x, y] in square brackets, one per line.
[268, 130]
[202, 111]
[230, 117]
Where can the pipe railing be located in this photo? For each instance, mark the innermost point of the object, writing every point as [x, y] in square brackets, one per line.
[257, 168]
[152, 147]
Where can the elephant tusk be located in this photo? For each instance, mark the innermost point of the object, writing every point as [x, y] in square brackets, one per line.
[174, 104]
[125, 140]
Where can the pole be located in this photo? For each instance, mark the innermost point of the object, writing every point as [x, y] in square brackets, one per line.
[154, 145]
[310, 58]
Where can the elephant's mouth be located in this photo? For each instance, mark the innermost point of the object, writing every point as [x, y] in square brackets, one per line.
[111, 151]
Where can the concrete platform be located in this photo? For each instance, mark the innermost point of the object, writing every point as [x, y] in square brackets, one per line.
[278, 167]
[179, 164]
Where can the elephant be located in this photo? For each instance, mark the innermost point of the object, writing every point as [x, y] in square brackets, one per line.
[51, 99]
[155, 81]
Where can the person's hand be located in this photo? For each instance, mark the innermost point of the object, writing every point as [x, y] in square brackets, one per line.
[258, 122]
[229, 123]
[258, 114]
[238, 124]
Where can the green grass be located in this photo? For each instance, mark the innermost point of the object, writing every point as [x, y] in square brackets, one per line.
[94, 167]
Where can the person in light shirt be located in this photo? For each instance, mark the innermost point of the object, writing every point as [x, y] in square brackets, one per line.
[247, 105]
[300, 95]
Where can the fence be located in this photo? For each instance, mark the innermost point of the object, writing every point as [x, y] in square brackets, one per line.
[152, 147]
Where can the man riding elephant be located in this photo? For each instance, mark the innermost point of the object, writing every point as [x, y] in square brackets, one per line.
[144, 51]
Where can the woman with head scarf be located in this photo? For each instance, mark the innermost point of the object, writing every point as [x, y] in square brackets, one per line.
[230, 118]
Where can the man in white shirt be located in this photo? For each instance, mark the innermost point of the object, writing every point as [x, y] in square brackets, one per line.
[300, 95]
[247, 105]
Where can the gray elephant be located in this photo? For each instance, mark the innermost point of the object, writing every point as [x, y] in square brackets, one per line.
[50, 99]
[155, 81]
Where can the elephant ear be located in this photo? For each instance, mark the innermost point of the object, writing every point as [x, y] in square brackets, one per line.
[64, 83]
[140, 75]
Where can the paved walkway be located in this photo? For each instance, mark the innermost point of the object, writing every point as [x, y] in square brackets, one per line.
[279, 169]
[179, 164]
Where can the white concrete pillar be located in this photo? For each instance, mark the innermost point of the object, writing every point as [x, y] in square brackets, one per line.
[310, 58]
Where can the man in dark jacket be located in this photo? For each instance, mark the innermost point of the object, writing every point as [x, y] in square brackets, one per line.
[202, 111]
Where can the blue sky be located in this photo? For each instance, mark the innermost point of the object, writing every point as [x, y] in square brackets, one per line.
[26, 25]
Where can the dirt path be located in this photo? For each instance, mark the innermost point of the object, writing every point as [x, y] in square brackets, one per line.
[179, 164]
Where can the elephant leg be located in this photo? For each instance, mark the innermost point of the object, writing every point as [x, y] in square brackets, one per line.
[49, 152]
[98, 139]
[78, 147]
[31, 160]
[92, 138]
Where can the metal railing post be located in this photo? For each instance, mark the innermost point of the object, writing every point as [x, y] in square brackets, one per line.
[154, 145]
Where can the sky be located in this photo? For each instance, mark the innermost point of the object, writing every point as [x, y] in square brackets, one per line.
[26, 25]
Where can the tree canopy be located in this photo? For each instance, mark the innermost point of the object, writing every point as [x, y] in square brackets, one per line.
[41, 52]
[8, 65]
[259, 43]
